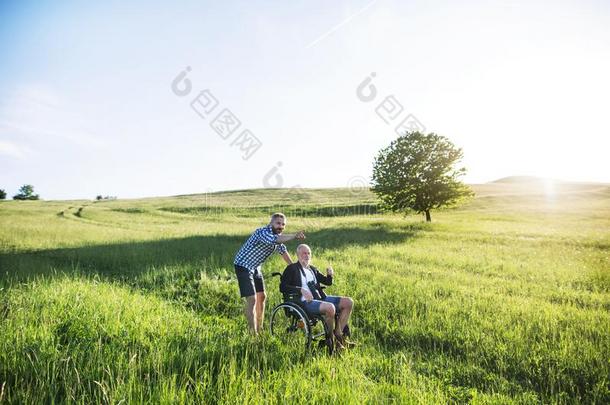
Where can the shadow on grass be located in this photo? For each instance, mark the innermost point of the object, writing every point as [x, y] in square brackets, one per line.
[125, 261]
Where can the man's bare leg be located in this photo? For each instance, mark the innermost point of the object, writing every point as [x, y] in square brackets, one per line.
[260, 310]
[328, 310]
[346, 306]
[249, 307]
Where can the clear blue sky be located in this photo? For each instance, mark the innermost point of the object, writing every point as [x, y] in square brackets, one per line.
[87, 107]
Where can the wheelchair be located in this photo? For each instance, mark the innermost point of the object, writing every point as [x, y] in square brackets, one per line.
[293, 325]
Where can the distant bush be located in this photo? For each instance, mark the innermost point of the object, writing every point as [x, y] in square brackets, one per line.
[26, 192]
[108, 197]
[2, 194]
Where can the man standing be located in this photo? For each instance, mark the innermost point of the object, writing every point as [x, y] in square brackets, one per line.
[248, 261]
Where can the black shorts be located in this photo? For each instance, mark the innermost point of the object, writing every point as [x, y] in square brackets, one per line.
[250, 281]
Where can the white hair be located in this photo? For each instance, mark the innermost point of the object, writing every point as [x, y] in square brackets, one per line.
[302, 245]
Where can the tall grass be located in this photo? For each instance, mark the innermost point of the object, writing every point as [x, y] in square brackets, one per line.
[506, 300]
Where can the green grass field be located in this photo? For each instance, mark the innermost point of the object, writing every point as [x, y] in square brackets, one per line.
[503, 300]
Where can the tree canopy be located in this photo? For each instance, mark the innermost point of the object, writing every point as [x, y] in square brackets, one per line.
[417, 172]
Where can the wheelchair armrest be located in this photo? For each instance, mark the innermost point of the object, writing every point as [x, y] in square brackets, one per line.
[292, 297]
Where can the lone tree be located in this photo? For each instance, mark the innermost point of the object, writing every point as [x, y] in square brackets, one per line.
[416, 172]
[26, 192]
[2, 194]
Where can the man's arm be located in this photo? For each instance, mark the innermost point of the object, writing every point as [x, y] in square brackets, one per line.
[328, 279]
[266, 236]
[285, 237]
[287, 257]
[282, 251]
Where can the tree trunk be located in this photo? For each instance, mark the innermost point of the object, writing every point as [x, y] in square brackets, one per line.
[428, 218]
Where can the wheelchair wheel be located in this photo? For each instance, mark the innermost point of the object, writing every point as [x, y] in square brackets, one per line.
[318, 330]
[291, 325]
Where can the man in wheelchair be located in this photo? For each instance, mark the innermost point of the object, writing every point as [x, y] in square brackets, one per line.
[302, 281]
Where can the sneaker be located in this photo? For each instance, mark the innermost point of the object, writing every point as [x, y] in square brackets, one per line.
[345, 342]
[348, 343]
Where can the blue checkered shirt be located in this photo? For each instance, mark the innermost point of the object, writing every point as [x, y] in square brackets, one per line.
[259, 246]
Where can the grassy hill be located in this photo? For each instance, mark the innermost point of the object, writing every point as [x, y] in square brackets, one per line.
[503, 300]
